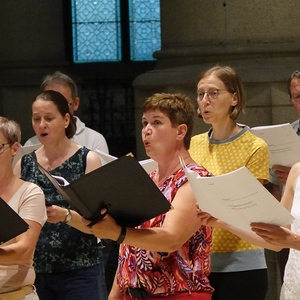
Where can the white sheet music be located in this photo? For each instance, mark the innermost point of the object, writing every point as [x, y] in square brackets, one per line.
[283, 143]
[237, 198]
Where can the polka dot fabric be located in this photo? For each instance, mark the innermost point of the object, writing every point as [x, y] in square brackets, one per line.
[245, 149]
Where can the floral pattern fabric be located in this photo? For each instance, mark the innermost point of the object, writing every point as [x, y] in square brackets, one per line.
[60, 247]
[165, 273]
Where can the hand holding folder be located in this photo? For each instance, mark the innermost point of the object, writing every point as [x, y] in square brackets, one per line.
[122, 187]
[237, 198]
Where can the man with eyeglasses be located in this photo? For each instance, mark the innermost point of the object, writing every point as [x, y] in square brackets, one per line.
[279, 174]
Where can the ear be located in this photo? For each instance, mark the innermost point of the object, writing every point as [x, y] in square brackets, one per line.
[76, 103]
[15, 149]
[234, 100]
[181, 131]
[67, 120]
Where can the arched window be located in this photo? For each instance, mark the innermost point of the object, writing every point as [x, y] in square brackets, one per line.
[115, 30]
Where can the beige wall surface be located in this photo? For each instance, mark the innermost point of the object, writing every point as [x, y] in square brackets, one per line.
[214, 22]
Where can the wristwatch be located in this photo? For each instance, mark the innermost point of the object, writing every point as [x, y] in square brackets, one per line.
[68, 217]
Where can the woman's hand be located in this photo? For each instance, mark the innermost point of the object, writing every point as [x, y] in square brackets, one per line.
[56, 214]
[282, 173]
[106, 228]
[275, 235]
[206, 218]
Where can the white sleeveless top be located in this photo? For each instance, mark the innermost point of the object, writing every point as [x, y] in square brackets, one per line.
[291, 286]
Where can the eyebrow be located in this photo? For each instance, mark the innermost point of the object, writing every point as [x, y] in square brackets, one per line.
[155, 116]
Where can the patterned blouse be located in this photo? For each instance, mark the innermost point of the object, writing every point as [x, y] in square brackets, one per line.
[60, 247]
[165, 273]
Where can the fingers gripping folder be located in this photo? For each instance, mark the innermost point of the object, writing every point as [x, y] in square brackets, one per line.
[122, 186]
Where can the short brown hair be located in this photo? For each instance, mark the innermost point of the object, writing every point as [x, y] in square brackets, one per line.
[177, 107]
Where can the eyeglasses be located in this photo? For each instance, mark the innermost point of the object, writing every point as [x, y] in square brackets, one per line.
[211, 94]
[2, 147]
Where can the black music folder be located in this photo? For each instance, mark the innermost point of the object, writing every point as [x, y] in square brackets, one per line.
[11, 224]
[122, 186]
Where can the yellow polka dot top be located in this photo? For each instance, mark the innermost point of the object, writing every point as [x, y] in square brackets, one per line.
[221, 157]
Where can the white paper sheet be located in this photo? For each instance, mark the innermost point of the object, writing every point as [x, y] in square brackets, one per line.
[237, 198]
[283, 143]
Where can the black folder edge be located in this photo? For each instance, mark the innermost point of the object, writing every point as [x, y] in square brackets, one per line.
[84, 208]
[11, 223]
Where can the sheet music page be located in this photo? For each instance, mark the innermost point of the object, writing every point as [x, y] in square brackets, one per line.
[105, 158]
[148, 164]
[283, 143]
[237, 198]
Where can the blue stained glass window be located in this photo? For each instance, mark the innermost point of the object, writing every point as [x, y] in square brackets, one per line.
[145, 34]
[96, 30]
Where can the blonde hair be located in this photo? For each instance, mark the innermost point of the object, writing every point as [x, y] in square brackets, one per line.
[11, 130]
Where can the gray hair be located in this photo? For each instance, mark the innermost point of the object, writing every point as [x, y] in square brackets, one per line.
[11, 130]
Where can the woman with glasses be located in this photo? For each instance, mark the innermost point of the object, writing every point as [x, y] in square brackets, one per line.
[239, 269]
[27, 199]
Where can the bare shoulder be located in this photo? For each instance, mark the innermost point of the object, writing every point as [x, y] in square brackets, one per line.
[92, 161]
[295, 170]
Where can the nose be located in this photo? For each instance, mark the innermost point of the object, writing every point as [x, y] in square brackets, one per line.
[205, 97]
[146, 130]
[204, 102]
[42, 123]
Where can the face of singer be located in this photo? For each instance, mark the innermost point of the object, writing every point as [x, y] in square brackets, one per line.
[295, 93]
[159, 136]
[7, 152]
[47, 122]
[215, 111]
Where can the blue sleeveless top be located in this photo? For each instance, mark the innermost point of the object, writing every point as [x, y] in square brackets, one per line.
[60, 247]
